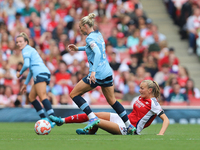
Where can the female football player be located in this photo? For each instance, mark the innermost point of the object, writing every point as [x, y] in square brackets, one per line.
[100, 74]
[145, 109]
[40, 73]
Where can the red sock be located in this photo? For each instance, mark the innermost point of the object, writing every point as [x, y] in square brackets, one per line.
[79, 118]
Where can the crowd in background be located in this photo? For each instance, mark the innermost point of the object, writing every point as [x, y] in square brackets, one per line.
[186, 14]
[136, 50]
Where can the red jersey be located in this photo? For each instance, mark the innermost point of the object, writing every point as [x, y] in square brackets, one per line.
[144, 112]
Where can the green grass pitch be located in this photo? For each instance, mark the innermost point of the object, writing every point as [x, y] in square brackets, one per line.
[21, 136]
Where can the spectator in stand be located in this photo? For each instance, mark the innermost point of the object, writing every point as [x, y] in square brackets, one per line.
[156, 36]
[131, 92]
[176, 96]
[105, 26]
[131, 28]
[134, 64]
[2, 90]
[151, 65]
[69, 57]
[133, 40]
[123, 25]
[191, 91]
[186, 11]
[168, 86]
[121, 43]
[162, 76]
[69, 19]
[62, 75]
[64, 7]
[58, 31]
[52, 22]
[183, 76]
[54, 56]
[137, 14]
[44, 42]
[16, 24]
[8, 97]
[114, 64]
[170, 59]
[122, 78]
[141, 75]
[15, 58]
[10, 10]
[6, 68]
[36, 30]
[113, 38]
[27, 10]
[192, 26]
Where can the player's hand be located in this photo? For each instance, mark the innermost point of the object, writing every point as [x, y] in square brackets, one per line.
[72, 47]
[23, 89]
[18, 74]
[92, 78]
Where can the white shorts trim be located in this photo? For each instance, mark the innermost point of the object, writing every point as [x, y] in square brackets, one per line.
[116, 119]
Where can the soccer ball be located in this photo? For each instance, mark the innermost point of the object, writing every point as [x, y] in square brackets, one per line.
[42, 127]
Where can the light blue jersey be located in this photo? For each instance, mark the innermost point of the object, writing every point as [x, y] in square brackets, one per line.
[95, 50]
[34, 62]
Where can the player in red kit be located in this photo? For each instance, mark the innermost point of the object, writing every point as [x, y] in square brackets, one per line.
[145, 109]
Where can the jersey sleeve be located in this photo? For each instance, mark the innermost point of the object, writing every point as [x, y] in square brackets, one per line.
[25, 65]
[96, 50]
[155, 107]
[26, 53]
[91, 43]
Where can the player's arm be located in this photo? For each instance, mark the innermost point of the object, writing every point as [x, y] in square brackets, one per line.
[72, 47]
[82, 48]
[25, 66]
[23, 88]
[28, 78]
[165, 123]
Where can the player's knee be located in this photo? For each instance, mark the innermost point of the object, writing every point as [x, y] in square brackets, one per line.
[71, 95]
[31, 98]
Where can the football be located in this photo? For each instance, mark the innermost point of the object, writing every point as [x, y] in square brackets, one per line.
[42, 127]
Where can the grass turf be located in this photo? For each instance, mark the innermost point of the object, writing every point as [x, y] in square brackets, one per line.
[21, 136]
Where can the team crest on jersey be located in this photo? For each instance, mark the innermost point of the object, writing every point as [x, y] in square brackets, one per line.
[93, 45]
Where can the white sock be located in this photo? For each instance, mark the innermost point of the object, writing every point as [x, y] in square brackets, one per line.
[91, 115]
[63, 120]
[127, 123]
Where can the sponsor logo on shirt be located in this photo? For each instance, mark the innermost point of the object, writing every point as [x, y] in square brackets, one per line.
[139, 104]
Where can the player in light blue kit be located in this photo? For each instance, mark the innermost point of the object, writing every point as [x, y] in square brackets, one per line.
[41, 76]
[100, 74]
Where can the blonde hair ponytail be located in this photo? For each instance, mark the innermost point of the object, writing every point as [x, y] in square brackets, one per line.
[89, 20]
[24, 35]
[155, 87]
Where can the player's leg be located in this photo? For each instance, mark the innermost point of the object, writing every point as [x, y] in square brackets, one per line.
[80, 118]
[109, 94]
[109, 126]
[76, 93]
[40, 89]
[36, 104]
[41, 92]
[109, 122]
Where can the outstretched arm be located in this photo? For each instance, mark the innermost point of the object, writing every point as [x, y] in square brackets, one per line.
[72, 47]
[164, 125]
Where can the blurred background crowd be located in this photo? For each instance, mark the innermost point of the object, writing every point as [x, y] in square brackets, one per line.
[136, 50]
